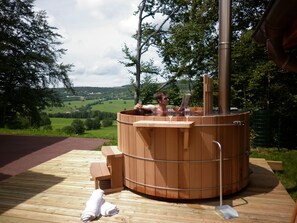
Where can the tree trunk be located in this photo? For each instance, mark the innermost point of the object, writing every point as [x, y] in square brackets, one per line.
[138, 55]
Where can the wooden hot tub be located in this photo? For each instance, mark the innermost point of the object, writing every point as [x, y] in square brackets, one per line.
[179, 159]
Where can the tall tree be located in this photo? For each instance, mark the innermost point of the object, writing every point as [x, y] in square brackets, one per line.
[189, 47]
[145, 37]
[29, 55]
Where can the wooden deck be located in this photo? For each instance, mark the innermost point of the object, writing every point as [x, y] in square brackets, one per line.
[57, 190]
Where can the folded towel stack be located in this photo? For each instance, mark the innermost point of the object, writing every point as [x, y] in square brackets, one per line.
[97, 206]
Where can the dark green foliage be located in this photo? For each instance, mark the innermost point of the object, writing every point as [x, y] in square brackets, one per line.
[78, 126]
[174, 93]
[92, 123]
[189, 49]
[106, 122]
[89, 124]
[68, 130]
[44, 120]
[17, 122]
[93, 93]
[28, 62]
[23, 122]
[148, 89]
[259, 86]
[85, 114]
[47, 127]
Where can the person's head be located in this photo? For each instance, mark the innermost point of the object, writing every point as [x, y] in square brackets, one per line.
[161, 97]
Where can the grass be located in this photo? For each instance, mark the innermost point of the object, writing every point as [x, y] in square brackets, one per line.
[69, 106]
[31, 132]
[58, 123]
[288, 176]
[109, 132]
[112, 106]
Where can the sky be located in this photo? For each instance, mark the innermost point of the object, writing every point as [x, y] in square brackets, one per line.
[94, 32]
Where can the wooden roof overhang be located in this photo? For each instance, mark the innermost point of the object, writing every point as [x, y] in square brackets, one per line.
[278, 31]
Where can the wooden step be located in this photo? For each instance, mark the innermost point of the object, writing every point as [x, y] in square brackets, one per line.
[276, 165]
[111, 151]
[110, 171]
[99, 171]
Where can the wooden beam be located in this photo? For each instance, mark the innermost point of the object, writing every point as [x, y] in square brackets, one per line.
[276, 165]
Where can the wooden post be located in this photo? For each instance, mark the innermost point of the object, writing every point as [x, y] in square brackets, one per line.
[207, 95]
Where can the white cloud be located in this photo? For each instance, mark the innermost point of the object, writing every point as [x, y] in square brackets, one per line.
[106, 10]
[93, 38]
[94, 33]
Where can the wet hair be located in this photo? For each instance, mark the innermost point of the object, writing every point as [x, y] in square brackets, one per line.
[159, 95]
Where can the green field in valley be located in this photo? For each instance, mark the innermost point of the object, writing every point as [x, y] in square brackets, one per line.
[59, 123]
[113, 106]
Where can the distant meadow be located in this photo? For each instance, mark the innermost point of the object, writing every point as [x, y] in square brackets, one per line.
[113, 106]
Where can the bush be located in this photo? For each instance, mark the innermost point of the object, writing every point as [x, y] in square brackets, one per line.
[44, 119]
[68, 130]
[78, 126]
[96, 123]
[18, 122]
[89, 124]
[106, 122]
[92, 123]
[47, 127]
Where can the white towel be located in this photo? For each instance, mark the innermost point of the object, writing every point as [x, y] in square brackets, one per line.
[93, 205]
[108, 209]
[97, 206]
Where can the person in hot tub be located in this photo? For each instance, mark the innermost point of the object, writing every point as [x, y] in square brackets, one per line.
[160, 109]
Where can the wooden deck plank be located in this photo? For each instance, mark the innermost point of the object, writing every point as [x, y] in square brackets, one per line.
[57, 190]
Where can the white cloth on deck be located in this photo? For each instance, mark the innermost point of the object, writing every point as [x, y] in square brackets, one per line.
[93, 205]
[108, 209]
[97, 206]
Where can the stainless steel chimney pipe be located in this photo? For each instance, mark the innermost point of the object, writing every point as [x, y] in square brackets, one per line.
[224, 55]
